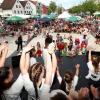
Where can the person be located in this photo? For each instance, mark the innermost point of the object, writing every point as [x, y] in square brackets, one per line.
[48, 40]
[33, 56]
[95, 92]
[9, 89]
[94, 67]
[69, 82]
[51, 68]
[32, 79]
[39, 51]
[32, 75]
[19, 42]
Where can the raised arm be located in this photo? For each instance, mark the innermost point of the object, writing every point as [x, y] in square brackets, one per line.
[58, 75]
[75, 80]
[51, 63]
[54, 63]
[48, 70]
[24, 60]
[89, 55]
[77, 66]
[3, 53]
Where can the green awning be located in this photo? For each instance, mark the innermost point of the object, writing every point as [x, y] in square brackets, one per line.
[74, 19]
[36, 16]
[14, 19]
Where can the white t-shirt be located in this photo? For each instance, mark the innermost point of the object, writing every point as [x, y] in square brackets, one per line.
[32, 61]
[91, 74]
[29, 87]
[13, 93]
[74, 82]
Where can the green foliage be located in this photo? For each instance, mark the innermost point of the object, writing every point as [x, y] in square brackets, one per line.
[87, 6]
[59, 10]
[98, 7]
[52, 7]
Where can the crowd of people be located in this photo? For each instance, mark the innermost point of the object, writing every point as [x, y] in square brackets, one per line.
[37, 79]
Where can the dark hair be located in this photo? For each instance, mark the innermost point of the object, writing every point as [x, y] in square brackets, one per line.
[48, 40]
[4, 72]
[31, 52]
[95, 62]
[35, 72]
[59, 96]
[68, 76]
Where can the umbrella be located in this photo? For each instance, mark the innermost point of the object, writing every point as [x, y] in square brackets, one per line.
[74, 19]
[1, 30]
[14, 19]
[23, 16]
[36, 16]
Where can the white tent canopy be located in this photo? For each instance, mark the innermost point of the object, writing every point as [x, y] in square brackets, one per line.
[97, 13]
[64, 15]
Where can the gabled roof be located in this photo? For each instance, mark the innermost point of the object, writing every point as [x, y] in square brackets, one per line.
[34, 2]
[23, 3]
[7, 4]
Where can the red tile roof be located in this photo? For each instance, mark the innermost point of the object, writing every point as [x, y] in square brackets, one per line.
[7, 4]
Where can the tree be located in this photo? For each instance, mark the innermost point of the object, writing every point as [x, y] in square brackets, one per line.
[89, 6]
[52, 7]
[98, 7]
[75, 9]
[59, 10]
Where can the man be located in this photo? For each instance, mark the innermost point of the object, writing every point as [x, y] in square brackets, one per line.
[19, 42]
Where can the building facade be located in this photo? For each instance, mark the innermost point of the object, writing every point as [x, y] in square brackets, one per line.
[17, 7]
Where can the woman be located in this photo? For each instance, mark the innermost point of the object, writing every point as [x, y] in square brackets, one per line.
[33, 76]
[33, 56]
[94, 67]
[9, 89]
[69, 81]
[39, 51]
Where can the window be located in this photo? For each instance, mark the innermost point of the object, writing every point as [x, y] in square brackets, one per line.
[25, 12]
[16, 6]
[21, 12]
[15, 11]
[19, 6]
[18, 12]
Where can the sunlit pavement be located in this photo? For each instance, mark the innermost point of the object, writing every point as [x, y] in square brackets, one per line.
[41, 38]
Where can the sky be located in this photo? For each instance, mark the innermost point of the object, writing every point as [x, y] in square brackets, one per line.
[64, 3]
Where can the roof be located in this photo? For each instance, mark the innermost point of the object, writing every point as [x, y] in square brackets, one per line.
[34, 2]
[7, 4]
[23, 3]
